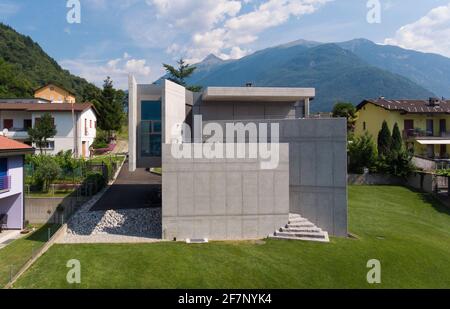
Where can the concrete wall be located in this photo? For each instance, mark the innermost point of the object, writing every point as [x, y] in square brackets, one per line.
[318, 169]
[223, 199]
[132, 123]
[44, 210]
[249, 110]
[173, 111]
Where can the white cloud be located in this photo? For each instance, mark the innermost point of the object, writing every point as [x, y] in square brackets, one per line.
[118, 69]
[194, 29]
[429, 34]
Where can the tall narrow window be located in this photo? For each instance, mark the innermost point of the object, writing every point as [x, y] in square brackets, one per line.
[150, 129]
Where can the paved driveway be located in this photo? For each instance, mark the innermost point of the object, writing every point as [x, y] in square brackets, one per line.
[137, 190]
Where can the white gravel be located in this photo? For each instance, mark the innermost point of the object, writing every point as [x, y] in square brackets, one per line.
[113, 226]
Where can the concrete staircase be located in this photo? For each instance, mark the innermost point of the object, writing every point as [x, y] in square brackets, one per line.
[299, 228]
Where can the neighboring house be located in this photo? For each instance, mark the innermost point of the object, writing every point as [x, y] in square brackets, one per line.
[55, 94]
[75, 123]
[235, 198]
[12, 182]
[424, 124]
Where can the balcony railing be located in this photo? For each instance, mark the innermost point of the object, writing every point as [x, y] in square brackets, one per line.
[414, 133]
[5, 183]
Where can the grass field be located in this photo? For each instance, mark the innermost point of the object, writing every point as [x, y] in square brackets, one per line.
[16, 254]
[407, 231]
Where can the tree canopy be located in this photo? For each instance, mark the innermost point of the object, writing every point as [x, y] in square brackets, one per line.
[181, 73]
[43, 130]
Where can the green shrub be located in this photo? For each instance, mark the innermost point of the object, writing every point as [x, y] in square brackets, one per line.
[46, 171]
[363, 154]
[101, 140]
[97, 180]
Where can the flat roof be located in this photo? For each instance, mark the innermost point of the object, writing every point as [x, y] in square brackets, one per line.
[270, 94]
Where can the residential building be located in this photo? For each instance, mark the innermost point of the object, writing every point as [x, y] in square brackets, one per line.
[210, 194]
[55, 94]
[424, 124]
[75, 123]
[12, 182]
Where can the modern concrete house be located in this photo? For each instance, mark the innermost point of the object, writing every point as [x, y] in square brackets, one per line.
[12, 183]
[222, 189]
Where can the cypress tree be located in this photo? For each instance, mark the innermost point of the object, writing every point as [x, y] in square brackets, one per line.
[384, 141]
[397, 142]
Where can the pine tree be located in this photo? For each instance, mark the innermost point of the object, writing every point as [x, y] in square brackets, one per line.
[384, 141]
[111, 108]
[397, 142]
[180, 74]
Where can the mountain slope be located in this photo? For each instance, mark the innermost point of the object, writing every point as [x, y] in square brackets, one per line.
[336, 73]
[31, 67]
[431, 71]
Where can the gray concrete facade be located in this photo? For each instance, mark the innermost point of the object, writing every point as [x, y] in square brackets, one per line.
[223, 199]
[318, 169]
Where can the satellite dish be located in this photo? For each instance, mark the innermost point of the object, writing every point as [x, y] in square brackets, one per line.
[5, 132]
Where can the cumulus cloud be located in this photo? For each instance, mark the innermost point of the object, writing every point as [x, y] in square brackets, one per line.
[195, 29]
[428, 34]
[118, 69]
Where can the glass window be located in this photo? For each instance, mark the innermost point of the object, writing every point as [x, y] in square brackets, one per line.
[151, 110]
[156, 126]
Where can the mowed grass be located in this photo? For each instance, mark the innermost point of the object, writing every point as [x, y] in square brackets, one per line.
[408, 232]
[17, 253]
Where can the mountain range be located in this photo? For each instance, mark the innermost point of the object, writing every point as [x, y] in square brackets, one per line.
[348, 71]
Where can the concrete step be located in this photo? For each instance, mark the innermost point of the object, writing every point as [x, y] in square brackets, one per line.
[300, 238]
[301, 234]
[298, 220]
[294, 216]
[301, 230]
[300, 225]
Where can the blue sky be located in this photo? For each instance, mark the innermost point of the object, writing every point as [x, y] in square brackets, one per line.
[116, 37]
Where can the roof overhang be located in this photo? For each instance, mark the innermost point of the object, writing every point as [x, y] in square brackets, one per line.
[16, 152]
[431, 141]
[252, 94]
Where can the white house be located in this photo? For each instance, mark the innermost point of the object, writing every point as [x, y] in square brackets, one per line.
[75, 123]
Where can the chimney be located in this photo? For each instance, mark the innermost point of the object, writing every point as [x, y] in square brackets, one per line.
[248, 85]
[434, 101]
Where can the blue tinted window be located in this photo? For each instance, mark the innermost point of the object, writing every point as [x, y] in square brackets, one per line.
[151, 110]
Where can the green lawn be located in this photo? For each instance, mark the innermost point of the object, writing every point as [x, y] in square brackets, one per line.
[16, 254]
[407, 231]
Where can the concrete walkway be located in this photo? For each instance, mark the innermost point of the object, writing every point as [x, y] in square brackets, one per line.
[137, 190]
[7, 237]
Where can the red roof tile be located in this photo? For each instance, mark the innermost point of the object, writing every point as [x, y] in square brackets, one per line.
[9, 144]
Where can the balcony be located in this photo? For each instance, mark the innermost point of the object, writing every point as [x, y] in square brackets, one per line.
[420, 133]
[17, 133]
[5, 184]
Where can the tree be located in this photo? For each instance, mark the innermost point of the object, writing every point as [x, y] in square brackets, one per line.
[180, 74]
[384, 141]
[346, 110]
[47, 170]
[42, 131]
[362, 153]
[110, 108]
[397, 141]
